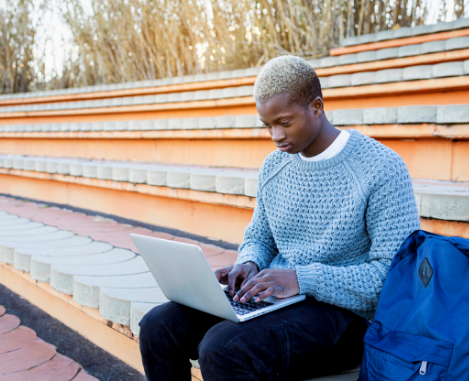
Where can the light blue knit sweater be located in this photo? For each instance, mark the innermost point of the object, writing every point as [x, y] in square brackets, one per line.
[338, 222]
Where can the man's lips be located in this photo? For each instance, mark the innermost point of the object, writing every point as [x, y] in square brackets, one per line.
[284, 147]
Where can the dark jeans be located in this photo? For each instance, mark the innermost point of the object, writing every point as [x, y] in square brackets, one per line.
[304, 340]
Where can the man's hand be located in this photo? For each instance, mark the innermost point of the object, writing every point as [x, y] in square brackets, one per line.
[280, 283]
[236, 275]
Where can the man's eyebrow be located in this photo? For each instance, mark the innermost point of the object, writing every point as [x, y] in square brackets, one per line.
[279, 118]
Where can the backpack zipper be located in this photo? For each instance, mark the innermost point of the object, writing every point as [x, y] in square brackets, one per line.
[423, 368]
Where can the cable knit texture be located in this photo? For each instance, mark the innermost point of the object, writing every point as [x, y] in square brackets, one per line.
[338, 222]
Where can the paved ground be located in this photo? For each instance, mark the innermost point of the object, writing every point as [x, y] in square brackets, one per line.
[35, 322]
[19, 203]
[114, 231]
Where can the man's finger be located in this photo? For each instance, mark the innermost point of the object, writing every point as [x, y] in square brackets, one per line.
[265, 294]
[250, 275]
[220, 273]
[249, 284]
[232, 276]
[253, 292]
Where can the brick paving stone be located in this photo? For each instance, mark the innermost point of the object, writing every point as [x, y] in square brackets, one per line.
[8, 323]
[185, 240]
[33, 354]
[60, 368]
[16, 339]
[162, 235]
[96, 227]
[25, 357]
[210, 250]
[227, 258]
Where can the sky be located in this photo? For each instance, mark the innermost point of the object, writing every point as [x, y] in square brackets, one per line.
[54, 36]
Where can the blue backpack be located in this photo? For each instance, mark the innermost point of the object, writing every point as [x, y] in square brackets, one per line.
[421, 327]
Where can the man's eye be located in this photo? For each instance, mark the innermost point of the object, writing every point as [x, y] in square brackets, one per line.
[285, 123]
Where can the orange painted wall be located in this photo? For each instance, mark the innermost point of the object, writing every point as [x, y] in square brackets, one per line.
[432, 159]
[460, 161]
[449, 228]
[426, 158]
[393, 100]
[229, 153]
[209, 220]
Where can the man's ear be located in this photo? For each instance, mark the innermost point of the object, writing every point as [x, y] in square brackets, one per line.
[317, 106]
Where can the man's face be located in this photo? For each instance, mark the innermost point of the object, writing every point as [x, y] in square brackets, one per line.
[292, 127]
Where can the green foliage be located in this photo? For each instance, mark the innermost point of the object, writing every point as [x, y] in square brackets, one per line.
[17, 35]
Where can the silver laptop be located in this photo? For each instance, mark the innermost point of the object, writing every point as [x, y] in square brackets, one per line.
[184, 275]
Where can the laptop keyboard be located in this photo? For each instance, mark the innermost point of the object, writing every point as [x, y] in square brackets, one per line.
[245, 308]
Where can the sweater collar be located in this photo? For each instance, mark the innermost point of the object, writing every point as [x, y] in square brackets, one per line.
[327, 163]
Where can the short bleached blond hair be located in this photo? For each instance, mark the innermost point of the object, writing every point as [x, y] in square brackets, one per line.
[288, 75]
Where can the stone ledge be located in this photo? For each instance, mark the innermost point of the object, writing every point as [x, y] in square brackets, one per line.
[224, 181]
[344, 80]
[436, 199]
[443, 114]
[407, 32]
[390, 131]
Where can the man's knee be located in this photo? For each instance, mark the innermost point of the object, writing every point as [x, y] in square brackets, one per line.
[212, 347]
[157, 321]
[251, 350]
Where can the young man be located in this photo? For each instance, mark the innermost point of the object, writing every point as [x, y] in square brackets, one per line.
[332, 210]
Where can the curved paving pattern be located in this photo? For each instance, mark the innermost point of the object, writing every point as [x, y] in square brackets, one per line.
[25, 357]
[115, 303]
[95, 273]
[74, 247]
[86, 289]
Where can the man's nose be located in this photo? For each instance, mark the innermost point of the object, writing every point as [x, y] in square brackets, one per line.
[278, 134]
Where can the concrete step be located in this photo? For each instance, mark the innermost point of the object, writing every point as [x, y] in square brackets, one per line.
[407, 32]
[188, 96]
[22, 255]
[443, 114]
[115, 303]
[41, 265]
[55, 240]
[220, 180]
[443, 200]
[8, 244]
[412, 73]
[61, 276]
[188, 79]
[14, 221]
[86, 289]
[393, 53]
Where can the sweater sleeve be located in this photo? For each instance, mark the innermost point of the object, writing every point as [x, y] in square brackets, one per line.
[391, 216]
[258, 244]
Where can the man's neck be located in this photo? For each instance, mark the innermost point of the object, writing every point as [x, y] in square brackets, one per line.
[325, 138]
